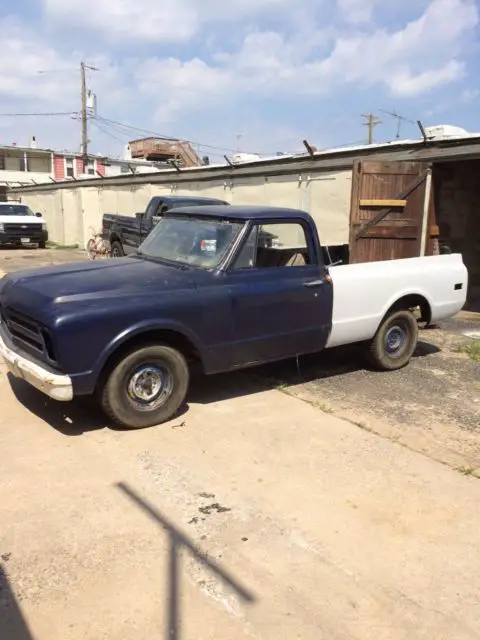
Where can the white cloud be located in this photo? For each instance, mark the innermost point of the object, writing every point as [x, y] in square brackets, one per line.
[183, 86]
[23, 56]
[356, 11]
[408, 62]
[382, 57]
[404, 84]
[302, 56]
[161, 21]
[469, 95]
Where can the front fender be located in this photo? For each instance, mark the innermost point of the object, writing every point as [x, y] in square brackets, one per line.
[144, 327]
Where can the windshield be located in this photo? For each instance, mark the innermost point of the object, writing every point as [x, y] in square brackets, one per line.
[15, 210]
[196, 241]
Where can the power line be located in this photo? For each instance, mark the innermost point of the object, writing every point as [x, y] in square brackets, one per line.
[399, 119]
[164, 137]
[107, 133]
[37, 115]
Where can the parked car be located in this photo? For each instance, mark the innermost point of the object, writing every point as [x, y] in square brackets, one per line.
[219, 287]
[19, 226]
[124, 234]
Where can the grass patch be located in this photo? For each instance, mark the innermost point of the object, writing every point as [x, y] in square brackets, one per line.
[472, 350]
[474, 472]
[322, 407]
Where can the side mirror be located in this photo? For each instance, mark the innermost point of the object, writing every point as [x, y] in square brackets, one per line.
[38, 214]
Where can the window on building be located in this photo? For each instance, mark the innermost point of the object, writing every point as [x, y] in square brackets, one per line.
[2, 163]
[69, 167]
[90, 167]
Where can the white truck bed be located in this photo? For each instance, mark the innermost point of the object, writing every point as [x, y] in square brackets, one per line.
[363, 293]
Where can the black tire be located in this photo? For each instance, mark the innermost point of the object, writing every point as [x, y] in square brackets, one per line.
[139, 372]
[41, 245]
[116, 249]
[395, 341]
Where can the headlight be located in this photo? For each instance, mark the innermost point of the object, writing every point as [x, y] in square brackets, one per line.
[2, 228]
[44, 226]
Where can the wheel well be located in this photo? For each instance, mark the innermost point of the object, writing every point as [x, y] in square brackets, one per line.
[413, 301]
[167, 337]
[114, 237]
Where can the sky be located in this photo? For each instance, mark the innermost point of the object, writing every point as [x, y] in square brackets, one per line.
[257, 76]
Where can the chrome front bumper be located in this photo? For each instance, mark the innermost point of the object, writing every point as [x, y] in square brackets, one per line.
[56, 386]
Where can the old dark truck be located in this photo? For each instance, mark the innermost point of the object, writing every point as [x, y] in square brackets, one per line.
[218, 287]
[124, 234]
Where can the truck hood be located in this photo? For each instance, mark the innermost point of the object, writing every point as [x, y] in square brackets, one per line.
[33, 291]
[21, 219]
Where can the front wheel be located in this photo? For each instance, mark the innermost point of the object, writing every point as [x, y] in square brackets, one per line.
[147, 387]
[395, 341]
[41, 245]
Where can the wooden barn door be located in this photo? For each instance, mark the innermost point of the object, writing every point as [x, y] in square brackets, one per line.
[392, 211]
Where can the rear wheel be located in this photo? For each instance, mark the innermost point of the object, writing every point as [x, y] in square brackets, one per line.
[41, 245]
[147, 387]
[395, 341]
[116, 249]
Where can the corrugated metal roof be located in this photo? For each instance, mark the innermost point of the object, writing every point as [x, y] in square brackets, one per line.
[342, 158]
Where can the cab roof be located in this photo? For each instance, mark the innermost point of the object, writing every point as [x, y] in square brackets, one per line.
[240, 212]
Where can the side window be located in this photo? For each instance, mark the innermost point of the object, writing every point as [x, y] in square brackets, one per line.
[246, 257]
[161, 209]
[275, 245]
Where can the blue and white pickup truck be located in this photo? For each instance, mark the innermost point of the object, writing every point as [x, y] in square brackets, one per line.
[224, 287]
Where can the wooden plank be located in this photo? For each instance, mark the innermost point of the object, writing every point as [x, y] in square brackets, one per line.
[402, 167]
[382, 203]
[393, 232]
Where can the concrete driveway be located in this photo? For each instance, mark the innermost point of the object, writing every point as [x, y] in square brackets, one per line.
[13, 259]
[254, 514]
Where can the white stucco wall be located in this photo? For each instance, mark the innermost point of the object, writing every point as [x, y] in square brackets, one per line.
[74, 213]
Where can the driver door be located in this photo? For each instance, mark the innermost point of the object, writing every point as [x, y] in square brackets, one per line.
[281, 300]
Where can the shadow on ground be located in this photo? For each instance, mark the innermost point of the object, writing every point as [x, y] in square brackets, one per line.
[83, 415]
[12, 622]
[178, 542]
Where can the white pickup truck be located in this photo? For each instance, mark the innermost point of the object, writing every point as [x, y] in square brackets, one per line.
[220, 287]
[19, 226]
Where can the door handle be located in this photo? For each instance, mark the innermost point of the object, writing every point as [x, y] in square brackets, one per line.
[314, 283]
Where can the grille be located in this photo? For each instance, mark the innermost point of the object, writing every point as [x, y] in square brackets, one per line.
[22, 229]
[28, 334]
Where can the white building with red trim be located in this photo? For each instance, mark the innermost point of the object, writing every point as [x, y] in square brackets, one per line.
[22, 166]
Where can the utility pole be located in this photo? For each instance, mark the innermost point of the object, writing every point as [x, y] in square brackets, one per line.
[371, 123]
[84, 112]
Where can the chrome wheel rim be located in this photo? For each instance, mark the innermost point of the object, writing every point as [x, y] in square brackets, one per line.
[395, 341]
[149, 387]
